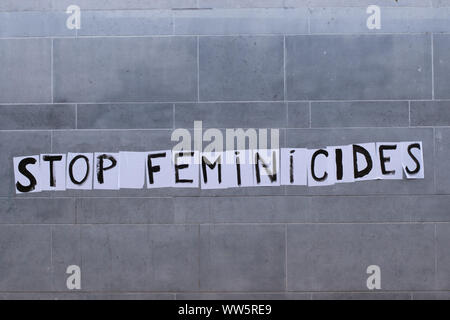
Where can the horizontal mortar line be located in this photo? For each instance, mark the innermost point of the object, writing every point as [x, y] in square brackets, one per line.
[210, 101]
[53, 10]
[221, 35]
[144, 224]
[278, 8]
[74, 292]
[266, 196]
[390, 195]
[355, 127]
[37, 103]
[190, 128]
[240, 196]
[230, 101]
[369, 291]
[210, 197]
[227, 223]
[220, 128]
[85, 130]
[430, 127]
[167, 9]
[367, 100]
[38, 198]
[159, 102]
[77, 197]
[380, 100]
[367, 127]
[216, 127]
[293, 34]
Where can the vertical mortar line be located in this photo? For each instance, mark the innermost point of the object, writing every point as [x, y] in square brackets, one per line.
[435, 256]
[173, 116]
[51, 258]
[310, 114]
[51, 140]
[76, 116]
[285, 258]
[198, 68]
[80, 251]
[76, 210]
[432, 66]
[287, 124]
[51, 69]
[409, 113]
[199, 256]
[173, 21]
[284, 68]
[434, 159]
[287, 118]
[309, 20]
[285, 145]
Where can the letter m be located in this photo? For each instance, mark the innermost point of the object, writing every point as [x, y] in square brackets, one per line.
[241, 136]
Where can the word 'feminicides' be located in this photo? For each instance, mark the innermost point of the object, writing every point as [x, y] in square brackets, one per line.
[219, 170]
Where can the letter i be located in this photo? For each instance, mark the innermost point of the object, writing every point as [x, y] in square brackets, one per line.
[238, 168]
[291, 166]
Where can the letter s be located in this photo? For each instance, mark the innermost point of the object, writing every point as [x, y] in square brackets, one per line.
[22, 167]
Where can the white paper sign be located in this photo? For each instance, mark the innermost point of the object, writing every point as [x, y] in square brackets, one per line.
[366, 163]
[412, 159]
[266, 167]
[53, 172]
[318, 168]
[27, 174]
[160, 171]
[219, 170]
[186, 166]
[293, 166]
[80, 170]
[107, 170]
[131, 170]
[340, 164]
[213, 173]
[390, 159]
[239, 166]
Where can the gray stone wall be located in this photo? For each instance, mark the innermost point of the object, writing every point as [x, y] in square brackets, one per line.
[138, 69]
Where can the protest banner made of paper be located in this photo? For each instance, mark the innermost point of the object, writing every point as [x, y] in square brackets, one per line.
[219, 170]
